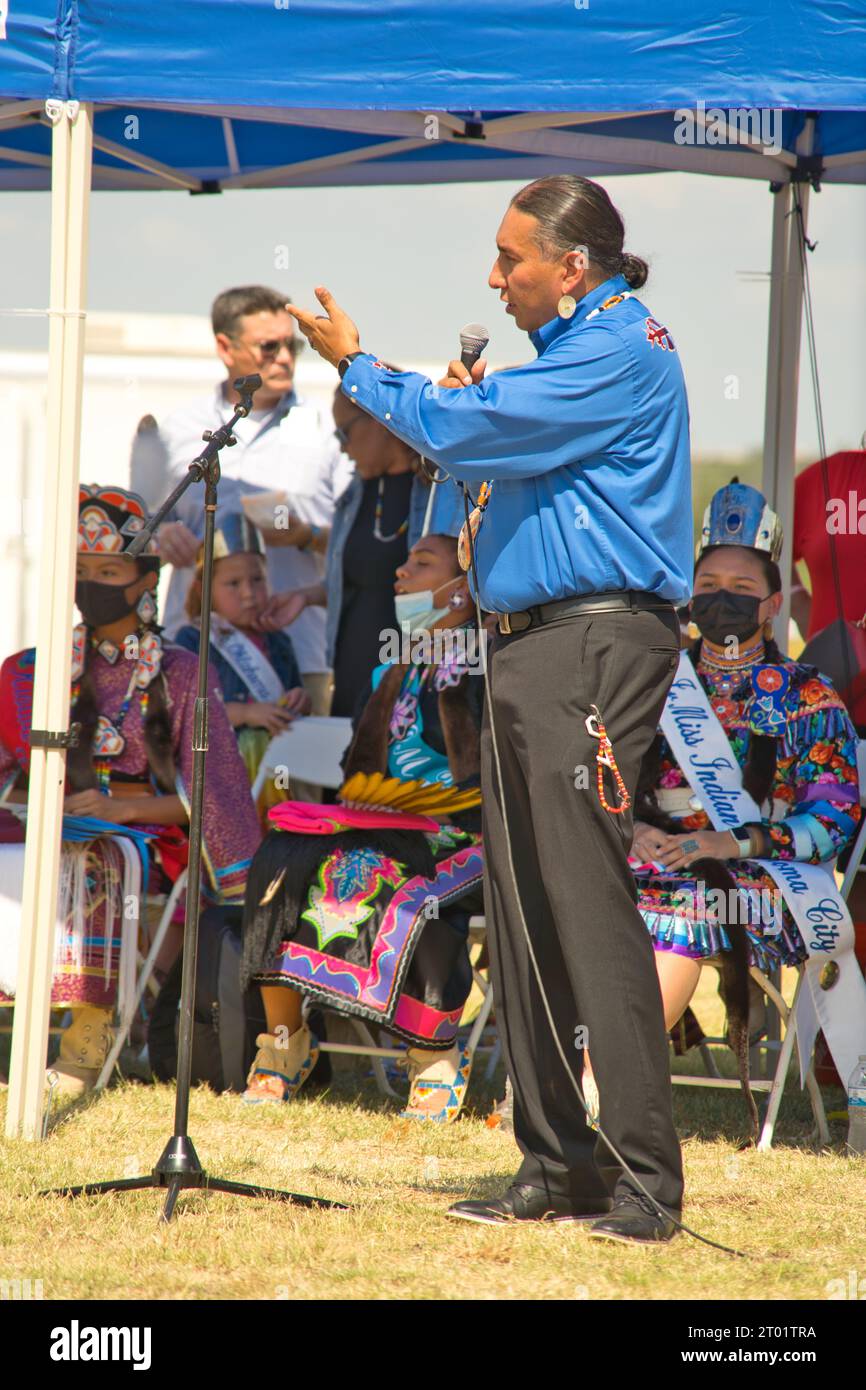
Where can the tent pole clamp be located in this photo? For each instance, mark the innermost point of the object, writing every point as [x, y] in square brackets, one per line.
[472, 130]
[810, 168]
[49, 739]
[55, 109]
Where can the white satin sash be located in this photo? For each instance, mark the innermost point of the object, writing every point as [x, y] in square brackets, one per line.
[247, 661]
[703, 752]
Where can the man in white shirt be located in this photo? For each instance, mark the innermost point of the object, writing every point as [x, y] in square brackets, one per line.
[283, 446]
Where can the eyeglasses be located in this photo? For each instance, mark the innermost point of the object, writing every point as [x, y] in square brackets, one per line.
[342, 434]
[270, 347]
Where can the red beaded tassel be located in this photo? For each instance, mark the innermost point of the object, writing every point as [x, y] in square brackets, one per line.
[605, 758]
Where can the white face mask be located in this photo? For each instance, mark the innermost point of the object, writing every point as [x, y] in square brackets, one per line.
[417, 612]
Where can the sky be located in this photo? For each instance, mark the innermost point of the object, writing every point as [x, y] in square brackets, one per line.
[410, 265]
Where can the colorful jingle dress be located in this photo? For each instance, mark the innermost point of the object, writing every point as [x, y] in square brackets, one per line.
[92, 897]
[374, 923]
[814, 813]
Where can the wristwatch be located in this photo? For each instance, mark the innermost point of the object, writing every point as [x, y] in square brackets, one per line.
[743, 836]
[345, 362]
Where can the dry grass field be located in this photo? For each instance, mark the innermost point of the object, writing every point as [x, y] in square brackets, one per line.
[798, 1215]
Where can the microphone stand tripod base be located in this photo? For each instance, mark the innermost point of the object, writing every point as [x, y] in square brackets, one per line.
[178, 1169]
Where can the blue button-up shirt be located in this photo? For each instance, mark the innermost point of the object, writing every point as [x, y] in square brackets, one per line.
[587, 448]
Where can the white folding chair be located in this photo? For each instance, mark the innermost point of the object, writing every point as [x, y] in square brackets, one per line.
[775, 1085]
[145, 974]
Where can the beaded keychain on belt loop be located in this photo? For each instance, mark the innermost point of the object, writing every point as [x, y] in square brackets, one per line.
[604, 758]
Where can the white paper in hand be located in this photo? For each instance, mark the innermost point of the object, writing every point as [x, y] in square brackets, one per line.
[309, 751]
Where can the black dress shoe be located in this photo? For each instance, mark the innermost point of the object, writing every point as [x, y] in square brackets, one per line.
[524, 1203]
[634, 1219]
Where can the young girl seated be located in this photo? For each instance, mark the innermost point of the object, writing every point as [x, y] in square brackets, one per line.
[257, 671]
[365, 906]
[782, 726]
[134, 697]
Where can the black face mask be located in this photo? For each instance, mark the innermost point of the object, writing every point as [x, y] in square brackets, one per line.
[101, 604]
[723, 615]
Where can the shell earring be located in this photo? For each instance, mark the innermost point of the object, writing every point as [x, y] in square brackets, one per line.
[566, 306]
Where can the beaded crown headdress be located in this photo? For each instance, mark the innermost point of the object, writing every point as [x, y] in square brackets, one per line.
[235, 535]
[740, 515]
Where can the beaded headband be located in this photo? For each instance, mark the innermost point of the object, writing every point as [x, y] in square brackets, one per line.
[108, 519]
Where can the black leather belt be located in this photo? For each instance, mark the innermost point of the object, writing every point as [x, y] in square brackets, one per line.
[627, 600]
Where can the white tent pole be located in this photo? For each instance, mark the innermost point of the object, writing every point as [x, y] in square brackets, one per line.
[789, 381]
[72, 148]
[783, 368]
[778, 266]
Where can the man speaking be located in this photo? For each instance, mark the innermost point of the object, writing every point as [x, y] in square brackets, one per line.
[579, 466]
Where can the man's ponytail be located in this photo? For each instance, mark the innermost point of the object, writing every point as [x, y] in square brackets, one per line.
[634, 269]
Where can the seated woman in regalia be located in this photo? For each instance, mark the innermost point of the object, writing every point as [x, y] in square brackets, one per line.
[791, 737]
[128, 780]
[364, 906]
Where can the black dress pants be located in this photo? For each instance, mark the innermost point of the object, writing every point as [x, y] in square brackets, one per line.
[579, 901]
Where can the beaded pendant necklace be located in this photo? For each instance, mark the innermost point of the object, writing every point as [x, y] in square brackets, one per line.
[108, 742]
[377, 520]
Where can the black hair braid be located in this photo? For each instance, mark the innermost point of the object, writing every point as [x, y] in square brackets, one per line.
[79, 759]
[646, 802]
[759, 772]
[158, 739]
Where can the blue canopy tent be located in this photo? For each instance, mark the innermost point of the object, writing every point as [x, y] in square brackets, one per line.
[216, 94]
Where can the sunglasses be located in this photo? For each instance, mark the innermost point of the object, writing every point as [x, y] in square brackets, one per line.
[271, 346]
[341, 434]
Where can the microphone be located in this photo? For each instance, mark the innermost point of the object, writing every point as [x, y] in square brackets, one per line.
[474, 338]
[248, 383]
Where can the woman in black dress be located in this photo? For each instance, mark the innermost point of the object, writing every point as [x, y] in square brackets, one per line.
[370, 538]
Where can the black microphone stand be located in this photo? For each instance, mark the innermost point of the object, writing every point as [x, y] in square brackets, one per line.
[178, 1166]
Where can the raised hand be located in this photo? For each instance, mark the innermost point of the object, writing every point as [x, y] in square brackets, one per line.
[178, 544]
[333, 334]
